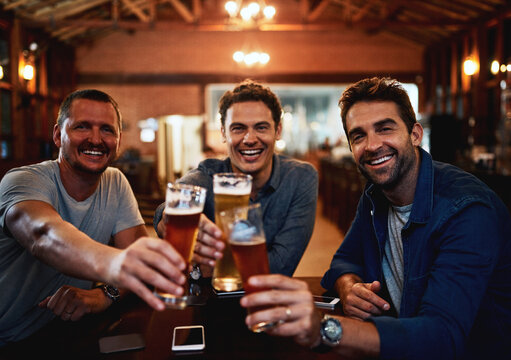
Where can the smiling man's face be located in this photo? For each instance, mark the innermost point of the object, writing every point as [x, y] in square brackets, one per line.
[385, 152]
[89, 138]
[250, 134]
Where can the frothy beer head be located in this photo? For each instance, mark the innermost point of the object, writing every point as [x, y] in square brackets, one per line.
[182, 211]
[230, 188]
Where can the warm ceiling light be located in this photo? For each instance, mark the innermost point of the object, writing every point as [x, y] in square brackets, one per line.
[28, 72]
[251, 59]
[469, 67]
[494, 68]
[1, 72]
[269, 12]
[252, 14]
[231, 7]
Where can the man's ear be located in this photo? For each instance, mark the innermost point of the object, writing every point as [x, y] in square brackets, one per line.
[224, 139]
[278, 131]
[416, 134]
[56, 135]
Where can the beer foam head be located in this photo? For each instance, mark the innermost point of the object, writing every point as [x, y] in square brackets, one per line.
[218, 189]
[183, 210]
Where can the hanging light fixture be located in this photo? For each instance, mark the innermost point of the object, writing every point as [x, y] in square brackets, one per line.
[251, 59]
[249, 14]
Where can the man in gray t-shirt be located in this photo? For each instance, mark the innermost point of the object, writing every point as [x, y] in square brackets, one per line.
[57, 219]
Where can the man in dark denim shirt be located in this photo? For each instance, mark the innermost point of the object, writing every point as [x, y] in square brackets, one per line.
[448, 264]
[286, 188]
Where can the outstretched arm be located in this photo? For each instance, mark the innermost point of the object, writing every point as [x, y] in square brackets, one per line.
[40, 229]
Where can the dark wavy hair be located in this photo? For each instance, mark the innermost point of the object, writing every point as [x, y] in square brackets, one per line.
[89, 94]
[378, 89]
[249, 90]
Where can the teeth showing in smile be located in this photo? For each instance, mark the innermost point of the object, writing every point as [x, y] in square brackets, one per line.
[250, 152]
[93, 153]
[380, 160]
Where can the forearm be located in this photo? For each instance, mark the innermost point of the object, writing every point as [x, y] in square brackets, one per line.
[57, 243]
[360, 339]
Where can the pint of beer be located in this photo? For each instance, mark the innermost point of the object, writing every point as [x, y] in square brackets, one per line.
[245, 234]
[231, 190]
[183, 207]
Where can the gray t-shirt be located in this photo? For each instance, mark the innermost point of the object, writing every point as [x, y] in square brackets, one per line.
[393, 268]
[24, 280]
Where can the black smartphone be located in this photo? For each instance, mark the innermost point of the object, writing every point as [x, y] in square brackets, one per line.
[325, 302]
[188, 338]
[221, 293]
[110, 344]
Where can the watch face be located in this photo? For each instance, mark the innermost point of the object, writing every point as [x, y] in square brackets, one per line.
[112, 292]
[331, 331]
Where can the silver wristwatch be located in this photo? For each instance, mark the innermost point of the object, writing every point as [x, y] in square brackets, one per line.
[111, 292]
[331, 331]
[195, 274]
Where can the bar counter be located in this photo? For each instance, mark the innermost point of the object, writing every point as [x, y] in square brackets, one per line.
[226, 334]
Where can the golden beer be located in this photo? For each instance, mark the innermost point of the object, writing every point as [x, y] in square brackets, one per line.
[251, 259]
[248, 244]
[184, 205]
[181, 228]
[231, 190]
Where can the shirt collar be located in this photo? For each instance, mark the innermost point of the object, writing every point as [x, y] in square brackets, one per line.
[272, 183]
[423, 197]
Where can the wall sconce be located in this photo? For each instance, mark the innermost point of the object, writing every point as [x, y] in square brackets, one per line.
[1, 72]
[494, 67]
[28, 72]
[469, 67]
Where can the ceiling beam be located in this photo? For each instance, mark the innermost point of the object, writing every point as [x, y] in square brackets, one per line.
[136, 10]
[63, 10]
[15, 4]
[317, 11]
[182, 10]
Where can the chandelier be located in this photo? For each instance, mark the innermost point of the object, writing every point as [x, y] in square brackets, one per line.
[249, 14]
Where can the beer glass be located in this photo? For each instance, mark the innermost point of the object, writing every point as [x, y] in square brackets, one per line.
[245, 233]
[231, 190]
[183, 208]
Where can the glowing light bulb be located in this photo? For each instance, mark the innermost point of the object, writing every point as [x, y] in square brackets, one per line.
[269, 12]
[245, 14]
[238, 56]
[254, 8]
[469, 67]
[231, 7]
[28, 72]
[264, 58]
[494, 68]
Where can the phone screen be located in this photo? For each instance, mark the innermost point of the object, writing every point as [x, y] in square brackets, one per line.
[188, 338]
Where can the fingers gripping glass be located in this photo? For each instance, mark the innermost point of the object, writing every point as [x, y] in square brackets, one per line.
[183, 207]
[245, 233]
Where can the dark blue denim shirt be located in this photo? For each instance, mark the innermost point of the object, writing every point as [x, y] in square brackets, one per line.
[288, 201]
[456, 301]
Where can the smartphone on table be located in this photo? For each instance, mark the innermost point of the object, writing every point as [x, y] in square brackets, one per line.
[325, 302]
[188, 338]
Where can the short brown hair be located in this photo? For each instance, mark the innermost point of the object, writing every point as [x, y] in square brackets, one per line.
[249, 90]
[89, 94]
[378, 89]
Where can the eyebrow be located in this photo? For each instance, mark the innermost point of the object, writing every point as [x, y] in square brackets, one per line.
[380, 123]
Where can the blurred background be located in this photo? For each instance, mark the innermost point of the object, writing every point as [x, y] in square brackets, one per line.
[167, 62]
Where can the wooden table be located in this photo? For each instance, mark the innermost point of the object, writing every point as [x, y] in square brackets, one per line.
[226, 334]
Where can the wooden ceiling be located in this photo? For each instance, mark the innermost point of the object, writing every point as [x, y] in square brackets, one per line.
[423, 22]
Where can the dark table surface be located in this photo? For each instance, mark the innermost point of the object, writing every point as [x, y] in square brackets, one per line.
[226, 334]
